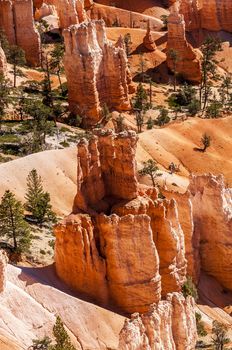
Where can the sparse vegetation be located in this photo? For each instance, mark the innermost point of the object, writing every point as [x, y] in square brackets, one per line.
[37, 200]
[13, 227]
[151, 169]
[189, 288]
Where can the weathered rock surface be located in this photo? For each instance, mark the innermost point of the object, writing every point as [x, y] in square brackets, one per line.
[187, 62]
[213, 15]
[106, 168]
[32, 299]
[97, 72]
[124, 18]
[212, 218]
[3, 63]
[69, 12]
[3, 266]
[168, 325]
[103, 250]
[148, 41]
[16, 18]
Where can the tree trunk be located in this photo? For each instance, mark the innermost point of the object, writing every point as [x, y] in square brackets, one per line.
[14, 70]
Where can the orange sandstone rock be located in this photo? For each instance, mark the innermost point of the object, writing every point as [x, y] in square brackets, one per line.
[168, 325]
[212, 217]
[188, 59]
[97, 72]
[148, 40]
[132, 236]
[16, 18]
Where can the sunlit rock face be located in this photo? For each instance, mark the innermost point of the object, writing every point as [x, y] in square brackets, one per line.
[187, 60]
[97, 72]
[168, 325]
[212, 215]
[16, 19]
[121, 245]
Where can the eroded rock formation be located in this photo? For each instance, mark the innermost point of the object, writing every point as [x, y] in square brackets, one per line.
[148, 40]
[101, 242]
[168, 325]
[187, 60]
[213, 15]
[69, 11]
[212, 217]
[97, 72]
[3, 264]
[16, 19]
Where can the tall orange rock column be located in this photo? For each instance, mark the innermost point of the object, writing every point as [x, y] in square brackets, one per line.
[122, 245]
[16, 19]
[97, 72]
[188, 59]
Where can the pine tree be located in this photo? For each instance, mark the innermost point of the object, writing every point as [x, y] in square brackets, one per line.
[206, 141]
[62, 338]
[16, 56]
[38, 201]
[12, 224]
[150, 168]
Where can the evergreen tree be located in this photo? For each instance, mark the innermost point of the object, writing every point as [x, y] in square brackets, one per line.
[62, 338]
[12, 224]
[173, 54]
[38, 201]
[140, 102]
[214, 108]
[16, 56]
[208, 66]
[163, 117]
[56, 66]
[43, 344]
[128, 42]
[5, 87]
[150, 168]
[219, 338]
[206, 141]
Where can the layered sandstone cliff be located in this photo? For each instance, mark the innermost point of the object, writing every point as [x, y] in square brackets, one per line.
[97, 72]
[168, 325]
[187, 60]
[101, 242]
[16, 19]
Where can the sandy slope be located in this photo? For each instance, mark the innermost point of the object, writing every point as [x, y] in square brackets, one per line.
[176, 143]
[32, 299]
[57, 169]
